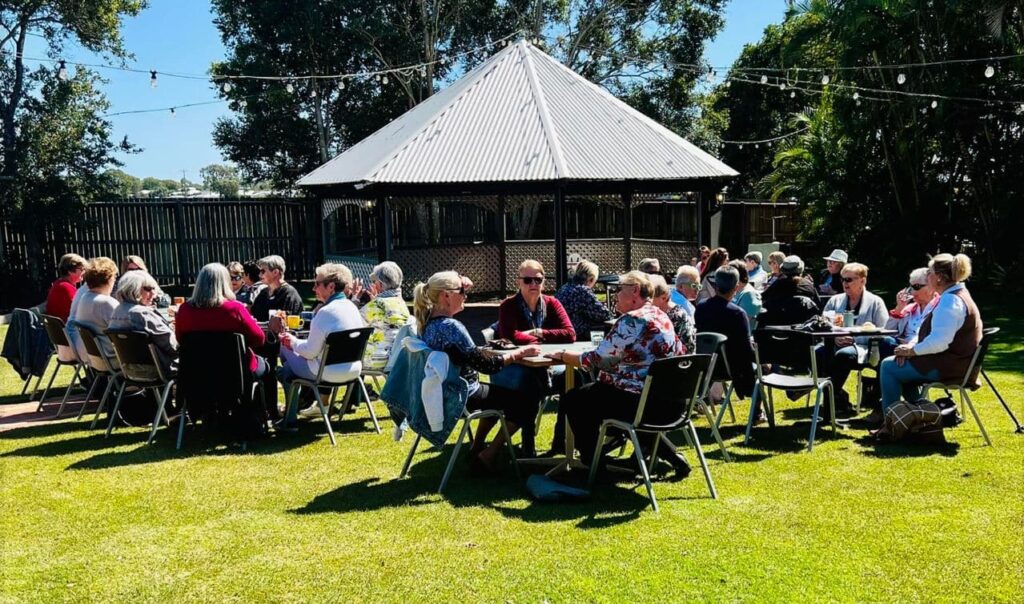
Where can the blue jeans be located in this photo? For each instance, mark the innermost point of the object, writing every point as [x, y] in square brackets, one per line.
[836, 365]
[292, 366]
[902, 381]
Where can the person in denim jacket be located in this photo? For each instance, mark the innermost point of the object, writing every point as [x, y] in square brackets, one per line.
[436, 303]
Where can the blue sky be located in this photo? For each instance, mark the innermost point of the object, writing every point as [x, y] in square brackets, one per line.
[179, 36]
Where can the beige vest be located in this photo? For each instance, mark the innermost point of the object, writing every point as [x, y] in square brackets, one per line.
[953, 362]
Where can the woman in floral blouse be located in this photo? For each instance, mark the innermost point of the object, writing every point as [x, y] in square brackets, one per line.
[386, 313]
[681, 320]
[577, 297]
[436, 302]
[640, 336]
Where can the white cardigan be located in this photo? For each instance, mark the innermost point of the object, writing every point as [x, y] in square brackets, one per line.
[872, 308]
[339, 315]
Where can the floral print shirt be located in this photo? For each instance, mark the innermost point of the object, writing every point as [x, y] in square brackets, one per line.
[637, 339]
[386, 314]
[586, 312]
[682, 321]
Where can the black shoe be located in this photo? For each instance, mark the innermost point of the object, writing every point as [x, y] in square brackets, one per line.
[681, 467]
[281, 427]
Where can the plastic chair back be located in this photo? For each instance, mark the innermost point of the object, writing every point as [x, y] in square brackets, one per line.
[673, 388]
[784, 348]
[345, 346]
[213, 369]
[709, 342]
[139, 362]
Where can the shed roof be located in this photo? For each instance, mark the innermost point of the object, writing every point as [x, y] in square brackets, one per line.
[520, 116]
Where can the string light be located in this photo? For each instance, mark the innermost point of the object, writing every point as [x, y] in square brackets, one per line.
[856, 96]
[173, 112]
[341, 84]
[764, 79]
[901, 79]
[384, 80]
[312, 93]
[990, 71]
[243, 103]
[782, 86]
[289, 88]
[792, 94]
[152, 79]
[825, 80]
[226, 87]
[62, 72]
[935, 104]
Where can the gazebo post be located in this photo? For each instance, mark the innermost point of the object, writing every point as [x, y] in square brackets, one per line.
[561, 254]
[627, 239]
[383, 229]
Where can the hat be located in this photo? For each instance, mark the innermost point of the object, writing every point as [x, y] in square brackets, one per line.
[838, 255]
[793, 266]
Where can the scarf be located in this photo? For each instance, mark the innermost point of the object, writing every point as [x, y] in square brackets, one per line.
[534, 319]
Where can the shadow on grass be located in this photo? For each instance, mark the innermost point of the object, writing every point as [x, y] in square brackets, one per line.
[1006, 352]
[874, 448]
[615, 505]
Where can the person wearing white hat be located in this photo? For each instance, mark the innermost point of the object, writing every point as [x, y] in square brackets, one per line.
[829, 282]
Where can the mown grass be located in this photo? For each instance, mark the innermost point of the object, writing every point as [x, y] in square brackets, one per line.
[293, 519]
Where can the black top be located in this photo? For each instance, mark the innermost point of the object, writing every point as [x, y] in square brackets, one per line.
[718, 315]
[284, 298]
[787, 301]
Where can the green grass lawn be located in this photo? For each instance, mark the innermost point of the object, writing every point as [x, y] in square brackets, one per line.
[294, 519]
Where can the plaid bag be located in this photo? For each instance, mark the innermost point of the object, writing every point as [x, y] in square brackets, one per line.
[904, 420]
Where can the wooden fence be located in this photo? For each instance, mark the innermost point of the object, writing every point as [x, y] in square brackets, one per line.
[175, 238]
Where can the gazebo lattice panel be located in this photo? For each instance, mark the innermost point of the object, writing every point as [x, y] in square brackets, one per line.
[609, 255]
[481, 263]
[672, 254]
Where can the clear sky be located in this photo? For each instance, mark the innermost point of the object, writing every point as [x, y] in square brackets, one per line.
[178, 36]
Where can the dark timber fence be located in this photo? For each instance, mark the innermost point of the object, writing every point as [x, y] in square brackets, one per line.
[175, 238]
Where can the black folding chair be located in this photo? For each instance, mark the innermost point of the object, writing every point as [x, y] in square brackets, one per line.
[214, 377]
[970, 383]
[672, 388]
[714, 344]
[345, 346]
[55, 328]
[140, 368]
[100, 362]
[792, 352]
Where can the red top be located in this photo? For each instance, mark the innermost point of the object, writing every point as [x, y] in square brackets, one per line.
[513, 324]
[58, 301]
[231, 316]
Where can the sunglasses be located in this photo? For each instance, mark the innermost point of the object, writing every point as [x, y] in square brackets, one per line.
[849, 279]
[532, 280]
[236, 277]
[461, 290]
[691, 285]
[917, 286]
[148, 288]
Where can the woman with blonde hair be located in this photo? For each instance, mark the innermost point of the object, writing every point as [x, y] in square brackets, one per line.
[436, 303]
[946, 340]
[95, 306]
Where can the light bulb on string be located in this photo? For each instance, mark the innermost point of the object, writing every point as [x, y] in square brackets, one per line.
[764, 79]
[312, 93]
[935, 104]
[376, 77]
[243, 103]
[289, 88]
[173, 112]
[728, 83]
[62, 72]
[341, 84]
[741, 146]
[384, 80]
[856, 95]
[782, 86]
[990, 71]
[901, 79]
[792, 94]
[825, 80]
[757, 145]
[152, 79]
[226, 87]
[858, 102]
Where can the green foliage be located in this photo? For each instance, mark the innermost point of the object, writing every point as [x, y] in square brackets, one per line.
[893, 179]
[624, 46]
[221, 179]
[122, 185]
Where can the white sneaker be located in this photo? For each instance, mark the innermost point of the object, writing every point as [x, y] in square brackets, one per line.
[310, 411]
[399, 431]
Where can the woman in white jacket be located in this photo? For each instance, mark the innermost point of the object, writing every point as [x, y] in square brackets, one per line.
[301, 358]
[850, 353]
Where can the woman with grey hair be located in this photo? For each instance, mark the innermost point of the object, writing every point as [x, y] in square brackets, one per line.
[386, 312]
[301, 358]
[213, 307]
[136, 292]
[279, 294]
[585, 310]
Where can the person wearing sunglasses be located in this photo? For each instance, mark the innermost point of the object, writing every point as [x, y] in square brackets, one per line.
[687, 286]
[243, 292]
[530, 316]
[435, 304]
[912, 305]
[848, 353]
[136, 291]
[279, 294]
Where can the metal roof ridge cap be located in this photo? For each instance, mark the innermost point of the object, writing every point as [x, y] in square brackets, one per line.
[492, 62]
[545, 115]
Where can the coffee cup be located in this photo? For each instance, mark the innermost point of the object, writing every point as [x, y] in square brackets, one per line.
[178, 300]
[848, 319]
[294, 322]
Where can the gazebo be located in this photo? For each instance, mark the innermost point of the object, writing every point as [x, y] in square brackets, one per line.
[520, 132]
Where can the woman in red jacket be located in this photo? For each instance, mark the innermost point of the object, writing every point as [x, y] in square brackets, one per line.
[213, 307]
[531, 317]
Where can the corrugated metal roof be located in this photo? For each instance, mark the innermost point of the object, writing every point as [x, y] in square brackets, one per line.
[519, 116]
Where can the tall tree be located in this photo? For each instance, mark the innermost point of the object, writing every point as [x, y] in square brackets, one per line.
[54, 144]
[641, 50]
[221, 179]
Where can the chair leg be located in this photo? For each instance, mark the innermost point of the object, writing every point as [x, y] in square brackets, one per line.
[64, 401]
[508, 444]
[643, 468]
[39, 382]
[654, 453]
[181, 427]
[703, 462]
[455, 454]
[715, 432]
[103, 401]
[292, 399]
[323, 414]
[754, 397]
[814, 418]
[771, 408]
[597, 457]
[117, 406]
[408, 458]
[53, 375]
[964, 397]
[369, 405]
[860, 390]
[161, 413]
[832, 407]
[1009, 411]
[24, 387]
[88, 395]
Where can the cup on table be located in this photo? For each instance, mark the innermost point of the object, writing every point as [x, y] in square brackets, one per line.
[178, 300]
[830, 316]
[294, 322]
[596, 337]
[849, 319]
